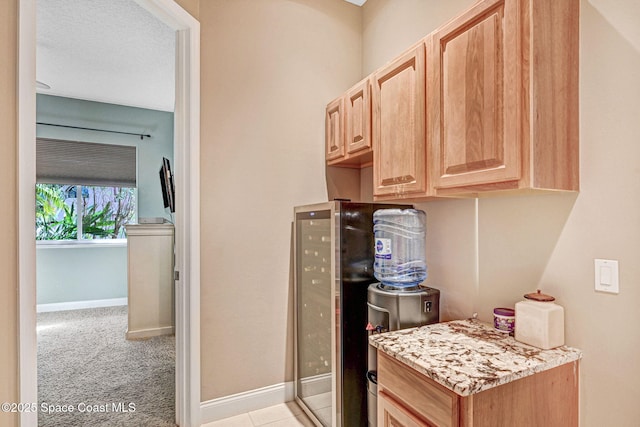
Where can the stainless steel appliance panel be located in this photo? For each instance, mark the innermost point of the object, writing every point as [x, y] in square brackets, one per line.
[390, 310]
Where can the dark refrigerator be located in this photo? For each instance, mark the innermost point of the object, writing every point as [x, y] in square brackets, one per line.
[333, 257]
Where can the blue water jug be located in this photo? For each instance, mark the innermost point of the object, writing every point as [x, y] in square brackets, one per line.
[400, 238]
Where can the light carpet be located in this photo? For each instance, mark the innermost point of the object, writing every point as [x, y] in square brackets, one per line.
[85, 363]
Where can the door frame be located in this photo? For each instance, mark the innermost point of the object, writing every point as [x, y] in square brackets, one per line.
[187, 215]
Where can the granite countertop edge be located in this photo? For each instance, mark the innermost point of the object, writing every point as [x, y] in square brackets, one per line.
[469, 356]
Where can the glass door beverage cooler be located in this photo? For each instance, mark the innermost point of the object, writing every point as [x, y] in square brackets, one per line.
[334, 253]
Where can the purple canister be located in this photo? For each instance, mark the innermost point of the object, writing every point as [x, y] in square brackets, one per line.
[504, 320]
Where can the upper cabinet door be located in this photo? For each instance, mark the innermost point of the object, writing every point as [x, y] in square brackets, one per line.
[399, 146]
[334, 129]
[474, 97]
[358, 117]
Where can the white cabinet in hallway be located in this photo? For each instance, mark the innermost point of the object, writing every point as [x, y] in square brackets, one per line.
[150, 280]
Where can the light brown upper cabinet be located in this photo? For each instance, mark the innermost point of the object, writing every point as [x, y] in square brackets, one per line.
[358, 118]
[334, 130]
[487, 103]
[502, 100]
[356, 146]
[398, 130]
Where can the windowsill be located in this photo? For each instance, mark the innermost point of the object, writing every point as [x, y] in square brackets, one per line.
[75, 244]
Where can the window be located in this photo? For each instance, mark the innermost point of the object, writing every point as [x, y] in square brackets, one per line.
[84, 191]
[82, 212]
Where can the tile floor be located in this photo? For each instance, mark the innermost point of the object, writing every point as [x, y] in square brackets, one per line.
[283, 415]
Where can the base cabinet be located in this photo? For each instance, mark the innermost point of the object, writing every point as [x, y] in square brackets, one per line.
[409, 398]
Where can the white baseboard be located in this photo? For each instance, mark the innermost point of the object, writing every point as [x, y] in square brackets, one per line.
[236, 404]
[149, 333]
[317, 384]
[76, 305]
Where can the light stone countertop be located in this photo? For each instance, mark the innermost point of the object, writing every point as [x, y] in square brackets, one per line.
[469, 356]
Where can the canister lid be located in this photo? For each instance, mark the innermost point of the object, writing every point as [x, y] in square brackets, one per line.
[501, 311]
[538, 296]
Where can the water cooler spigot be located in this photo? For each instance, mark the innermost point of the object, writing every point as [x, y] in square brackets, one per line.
[374, 329]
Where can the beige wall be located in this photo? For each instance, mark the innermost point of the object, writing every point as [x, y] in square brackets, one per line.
[269, 68]
[8, 170]
[391, 26]
[549, 241]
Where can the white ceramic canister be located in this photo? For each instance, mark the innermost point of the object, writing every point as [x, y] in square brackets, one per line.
[539, 321]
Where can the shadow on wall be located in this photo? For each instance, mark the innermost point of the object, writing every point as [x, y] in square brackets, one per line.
[343, 183]
[516, 239]
[489, 252]
[452, 255]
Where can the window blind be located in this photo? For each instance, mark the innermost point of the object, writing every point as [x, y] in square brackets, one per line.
[76, 162]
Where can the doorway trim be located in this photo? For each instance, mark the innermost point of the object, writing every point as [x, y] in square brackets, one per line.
[187, 218]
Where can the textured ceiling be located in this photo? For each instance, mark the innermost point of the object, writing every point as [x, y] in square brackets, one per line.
[110, 51]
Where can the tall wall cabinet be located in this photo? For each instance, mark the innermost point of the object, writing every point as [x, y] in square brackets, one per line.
[486, 103]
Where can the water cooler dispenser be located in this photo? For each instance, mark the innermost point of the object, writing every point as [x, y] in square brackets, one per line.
[398, 301]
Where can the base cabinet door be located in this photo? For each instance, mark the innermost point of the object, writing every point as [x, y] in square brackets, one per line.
[390, 414]
[423, 400]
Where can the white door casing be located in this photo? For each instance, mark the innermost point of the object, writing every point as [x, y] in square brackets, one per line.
[187, 218]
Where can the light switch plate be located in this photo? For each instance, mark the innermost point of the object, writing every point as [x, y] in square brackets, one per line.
[606, 276]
